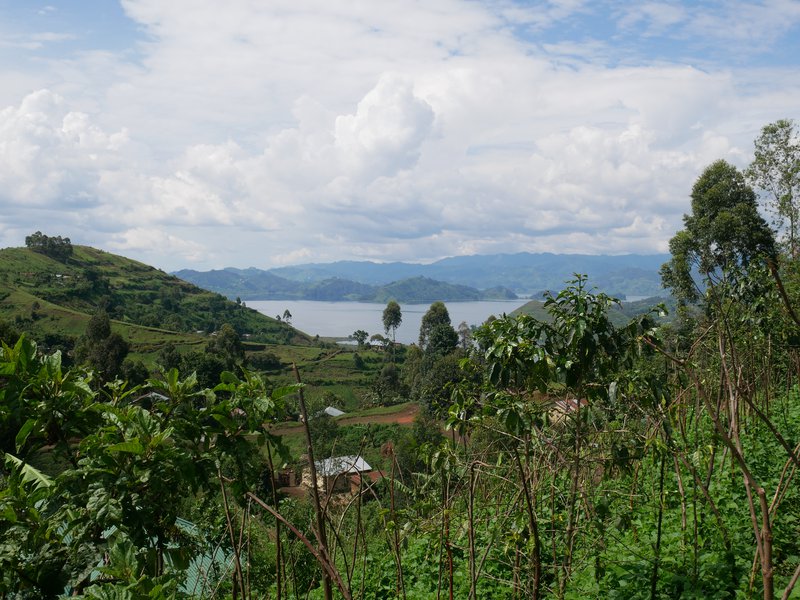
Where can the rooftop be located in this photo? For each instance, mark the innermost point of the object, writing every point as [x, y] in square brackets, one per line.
[336, 465]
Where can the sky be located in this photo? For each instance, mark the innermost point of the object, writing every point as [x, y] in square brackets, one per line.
[201, 134]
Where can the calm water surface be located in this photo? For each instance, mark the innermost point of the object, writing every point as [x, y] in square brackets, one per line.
[340, 319]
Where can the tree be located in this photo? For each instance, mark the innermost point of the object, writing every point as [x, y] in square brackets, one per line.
[443, 340]
[207, 367]
[324, 432]
[8, 334]
[135, 372]
[437, 315]
[392, 318]
[378, 339]
[287, 316]
[776, 171]
[723, 234]
[465, 335]
[435, 387]
[101, 349]
[264, 361]
[360, 336]
[169, 357]
[55, 247]
[227, 345]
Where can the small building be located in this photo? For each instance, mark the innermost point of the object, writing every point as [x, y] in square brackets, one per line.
[335, 474]
[286, 478]
[566, 406]
[330, 411]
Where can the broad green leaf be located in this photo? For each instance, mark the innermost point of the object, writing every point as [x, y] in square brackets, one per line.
[133, 447]
[23, 433]
[29, 474]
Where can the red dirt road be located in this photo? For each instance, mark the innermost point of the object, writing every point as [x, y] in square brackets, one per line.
[403, 417]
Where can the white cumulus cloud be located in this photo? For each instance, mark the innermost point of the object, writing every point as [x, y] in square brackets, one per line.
[276, 132]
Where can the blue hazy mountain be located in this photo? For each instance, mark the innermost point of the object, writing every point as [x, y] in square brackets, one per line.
[524, 273]
[476, 277]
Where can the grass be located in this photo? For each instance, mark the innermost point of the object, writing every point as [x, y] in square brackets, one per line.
[44, 297]
[52, 302]
[328, 371]
[381, 410]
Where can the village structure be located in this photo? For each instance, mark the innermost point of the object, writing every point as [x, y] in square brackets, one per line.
[340, 474]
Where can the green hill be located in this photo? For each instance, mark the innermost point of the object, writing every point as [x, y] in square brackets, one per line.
[53, 298]
[619, 315]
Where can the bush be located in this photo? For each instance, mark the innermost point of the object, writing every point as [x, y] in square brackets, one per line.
[264, 361]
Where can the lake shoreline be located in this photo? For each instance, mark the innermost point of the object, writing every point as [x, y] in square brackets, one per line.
[339, 319]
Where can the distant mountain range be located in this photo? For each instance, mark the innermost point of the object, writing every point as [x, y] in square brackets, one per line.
[483, 277]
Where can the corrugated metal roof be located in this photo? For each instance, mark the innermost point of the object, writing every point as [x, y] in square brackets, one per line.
[336, 465]
[208, 566]
[333, 411]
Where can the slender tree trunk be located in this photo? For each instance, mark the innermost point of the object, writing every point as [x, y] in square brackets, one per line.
[238, 578]
[278, 544]
[657, 553]
[534, 525]
[473, 583]
[572, 516]
[321, 537]
[400, 585]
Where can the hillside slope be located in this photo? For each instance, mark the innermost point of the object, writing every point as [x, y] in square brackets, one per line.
[53, 298]
[619, 314]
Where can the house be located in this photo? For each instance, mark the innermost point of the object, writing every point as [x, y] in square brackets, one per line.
[566, 406]
[337, 474]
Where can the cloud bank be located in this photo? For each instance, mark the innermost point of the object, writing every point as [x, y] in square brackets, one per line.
[271, 133]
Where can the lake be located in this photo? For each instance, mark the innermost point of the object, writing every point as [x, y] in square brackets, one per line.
[340, 319]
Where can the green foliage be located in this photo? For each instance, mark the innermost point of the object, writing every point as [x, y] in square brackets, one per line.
[227, 346]
[55, 247]
[776, 171]
[324, 433]
[392, 318]
[8, 334]
[113, 508]
[264, 361]
[437, 315]
[101, 349]
[360, 336]
[577, 346]
[722, 236]
[441, 341]
[387, 388]
[139, 296]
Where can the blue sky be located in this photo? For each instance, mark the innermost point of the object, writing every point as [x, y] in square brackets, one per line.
[188, 134]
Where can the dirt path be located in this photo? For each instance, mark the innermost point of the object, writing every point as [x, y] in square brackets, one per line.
[402, 417]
